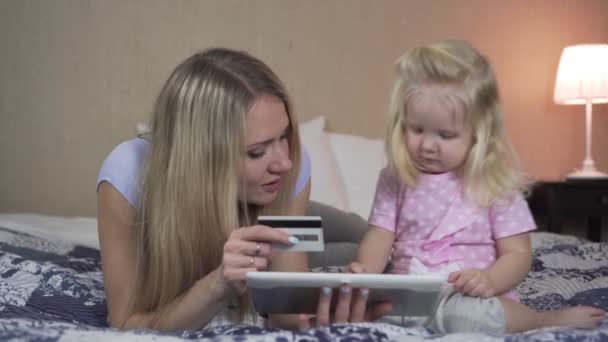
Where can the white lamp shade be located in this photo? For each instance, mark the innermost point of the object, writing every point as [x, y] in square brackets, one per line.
[582, 75]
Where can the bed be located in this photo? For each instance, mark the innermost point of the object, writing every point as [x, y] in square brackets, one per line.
[51, 284]
[51, 289]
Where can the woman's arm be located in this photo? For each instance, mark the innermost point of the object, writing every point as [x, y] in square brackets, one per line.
[117, 238]
[201, 302]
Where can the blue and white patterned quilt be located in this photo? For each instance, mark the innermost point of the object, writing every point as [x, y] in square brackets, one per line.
[53, 290]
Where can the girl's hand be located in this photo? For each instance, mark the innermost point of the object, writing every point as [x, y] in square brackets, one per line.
[249, 249]
[357, 267]
[351, 308]
[472, 282]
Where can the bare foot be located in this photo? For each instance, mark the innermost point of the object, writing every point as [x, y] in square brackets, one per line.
[577, 317]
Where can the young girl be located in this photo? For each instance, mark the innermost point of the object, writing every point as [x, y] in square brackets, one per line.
[450, 200]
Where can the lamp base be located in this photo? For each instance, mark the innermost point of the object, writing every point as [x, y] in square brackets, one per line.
[586, 174]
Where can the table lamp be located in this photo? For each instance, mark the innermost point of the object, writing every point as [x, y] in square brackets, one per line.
[582, 78]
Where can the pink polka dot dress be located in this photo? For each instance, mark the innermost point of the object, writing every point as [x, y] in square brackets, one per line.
[434, 223]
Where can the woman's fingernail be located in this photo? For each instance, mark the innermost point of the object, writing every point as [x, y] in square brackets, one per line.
[293, 240]
[364, 292]
[326, 291]
[345, 290]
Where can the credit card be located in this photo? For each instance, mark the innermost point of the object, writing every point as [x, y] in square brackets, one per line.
[308, 229]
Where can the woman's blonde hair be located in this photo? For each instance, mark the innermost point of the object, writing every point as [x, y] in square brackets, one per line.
[192, 176]
[492, 168]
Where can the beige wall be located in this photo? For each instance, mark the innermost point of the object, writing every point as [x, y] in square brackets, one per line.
[75, 76]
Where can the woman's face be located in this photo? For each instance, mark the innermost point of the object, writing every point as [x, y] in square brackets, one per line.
[267, 149]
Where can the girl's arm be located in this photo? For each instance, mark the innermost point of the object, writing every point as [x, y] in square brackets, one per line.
[513, 262]
[374, 250]
[294, 262]
[117, 239]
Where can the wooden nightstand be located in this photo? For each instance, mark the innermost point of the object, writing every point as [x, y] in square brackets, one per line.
[580, 199]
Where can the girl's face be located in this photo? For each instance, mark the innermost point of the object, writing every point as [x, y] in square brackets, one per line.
[437, 136]
[267, 149]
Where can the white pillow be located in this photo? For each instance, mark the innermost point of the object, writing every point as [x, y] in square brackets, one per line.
[359, 161]
[326, 184]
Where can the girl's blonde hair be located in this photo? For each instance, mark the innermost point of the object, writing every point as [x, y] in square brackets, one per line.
[492, 168]
[190, 191]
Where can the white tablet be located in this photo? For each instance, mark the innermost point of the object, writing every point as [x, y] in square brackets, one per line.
[298, 292]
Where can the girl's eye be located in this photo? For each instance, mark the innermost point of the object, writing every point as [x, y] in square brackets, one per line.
[448, 136]
[416, 130]
[256, 154]
[284, 136]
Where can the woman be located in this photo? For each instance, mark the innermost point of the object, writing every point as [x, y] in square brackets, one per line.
[177, 208]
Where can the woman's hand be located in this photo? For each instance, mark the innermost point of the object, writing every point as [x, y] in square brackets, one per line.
[249, 249]
[350, 308]
[472, 282]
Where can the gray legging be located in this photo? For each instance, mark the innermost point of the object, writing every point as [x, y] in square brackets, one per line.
[342, 232]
